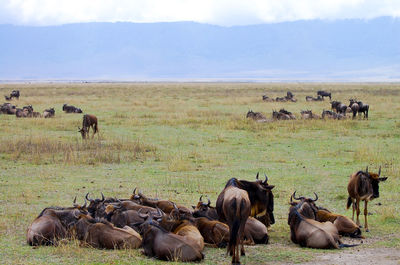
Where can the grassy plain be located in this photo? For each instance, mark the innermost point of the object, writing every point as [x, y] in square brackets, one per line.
[180, 140]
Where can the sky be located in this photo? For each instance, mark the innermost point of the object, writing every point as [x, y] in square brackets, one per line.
[217, 12]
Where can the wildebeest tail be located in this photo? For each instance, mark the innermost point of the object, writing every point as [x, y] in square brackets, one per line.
[349, 202]
[234, 233]
[347, 245]
[95, 128]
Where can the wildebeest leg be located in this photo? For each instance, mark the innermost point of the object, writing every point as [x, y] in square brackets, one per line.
[354, 208]
[365, 216]
[367, 114]
[358, 211]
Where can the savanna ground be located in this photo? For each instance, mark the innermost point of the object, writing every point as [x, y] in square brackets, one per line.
[178, 141]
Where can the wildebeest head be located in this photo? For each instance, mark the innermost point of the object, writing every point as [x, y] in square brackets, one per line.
[250, 114]
[95, 204]
[375, 179]
[82, 131]
[308, 207]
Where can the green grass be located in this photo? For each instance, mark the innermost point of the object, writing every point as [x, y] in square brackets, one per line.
[178, 141]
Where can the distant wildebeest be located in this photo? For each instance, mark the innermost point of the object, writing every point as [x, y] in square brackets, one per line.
[8, 108]
[324, 94]
[279, 99]
[306, 231]
[49, 113]
[280, 116]
[310, 98]
[266, 98]
[341, 109]
[363, 186]
[334, 104]
[307, 114]
[14, 94]
[26, 111]
[257, 116]
[87, 122]
[354, 107]
[292, 117]
[363, 108]
[332, 115]
[53, 223]
[71, 109]
[8, 98]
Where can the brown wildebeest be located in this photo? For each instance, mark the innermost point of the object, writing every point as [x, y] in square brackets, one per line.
[334, 104]
[363, 186]
[87, 122]
[324, 94]
[257, 116]
[121, 217]
[344, 225]
[161, 244]
[205, 210]
[309, 115]
[102, 234]
[306, 231]
[354, 107]
[52, 224]
[49, 113]
[267, 99]
[214, 232]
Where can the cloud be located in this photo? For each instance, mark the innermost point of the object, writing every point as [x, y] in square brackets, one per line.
[220, 12]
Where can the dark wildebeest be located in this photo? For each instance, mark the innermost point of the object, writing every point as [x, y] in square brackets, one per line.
[306, 231]
[205, 210]
[307, 114]
[257, 116]
[280, 116]
[283, 99]
[354, 107]
[87, 122]
[332, 115]
[334, 104]
[363, 186]
[161, 244]
[14, 94]
[120, 217]
[363, 108]
[324, 94]
[52, 224]
[102, 234]
[49, 113]
[344, 225]
[266, 98]
[235, 203]
[71, 109]
[341, 108]
[319, 98]
[8, 108]
[291, 116]
[8, 98]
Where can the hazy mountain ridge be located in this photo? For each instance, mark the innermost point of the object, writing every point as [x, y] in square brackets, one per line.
[302, 50]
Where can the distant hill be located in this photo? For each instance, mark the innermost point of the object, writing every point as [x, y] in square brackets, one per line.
[355, 50]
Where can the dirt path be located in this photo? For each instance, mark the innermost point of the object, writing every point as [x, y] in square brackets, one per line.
[387, 256]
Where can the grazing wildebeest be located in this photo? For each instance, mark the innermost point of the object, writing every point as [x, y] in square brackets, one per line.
[87, 122]
[306, 231]
[354, 107]
[14, 94]
[363, 108]
[324, 94]
[99, 233]
[257, 116]
[344, 225]
[49, 113]
[71, 109]
[363, 186]
[161, 244]
[53, 223]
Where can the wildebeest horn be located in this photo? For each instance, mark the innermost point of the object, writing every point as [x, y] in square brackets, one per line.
[160, 213]
[379, 173]
[257, 175]
[84, 205]
[266, 178]
[87, 197]
[366, 170]
[209, 202]
[74, 202]
[134, 191]
[294, 196]
[316, 197]
[142, 215]
[175, 207]
[102, 197]
[201, 198]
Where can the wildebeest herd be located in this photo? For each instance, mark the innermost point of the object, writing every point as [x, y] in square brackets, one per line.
[338, 109]
[167, 230]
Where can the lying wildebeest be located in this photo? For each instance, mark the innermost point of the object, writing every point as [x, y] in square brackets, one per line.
[280, 116]
[363, 108]
[332, 115]
[291, 116]
[102, 234]
[71, 109]
[310, 98]
[283, 99]
[49, 113]
[306, 231]
[8, 98]
[344, 225]
[52, 224]
[235, 204]
[121, 217]
[87, 122]
[26, 111]
[363, 186]
[8, 108]
[257, 116]
[324, 94]
[307, 114]
[213, 231]
[205, 210]
[354, 107]
[14, 94]
[161, 244]
[266, 98]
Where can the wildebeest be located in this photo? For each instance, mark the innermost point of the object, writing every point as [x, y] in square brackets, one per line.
[257, 116]
[344, 225]
[8, 108]
[102, 234]
[26, 111]
[205, 210]
[281, 99]
[71, 109]
[161, 244]
[306, 231]
[332, 115]
[87, 122]
[280, 116]
[14, 94]
[52, 224]
[334, 104]
[354, 107]
[121, 217]
[341, 108]
[363, 186]
[49, 113]
[307, 114]
[324, 94]
[363, 108]
[310, 98]
[266, 98]
[7, 98]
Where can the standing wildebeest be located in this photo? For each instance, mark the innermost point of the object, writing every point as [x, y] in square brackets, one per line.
[354, 107]
[14, 94]
[87, 122]
[71, 109]
[235, 203]
[334, 104]
[363, 108]
[341, 108]
[324, 94]
[363, 186]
